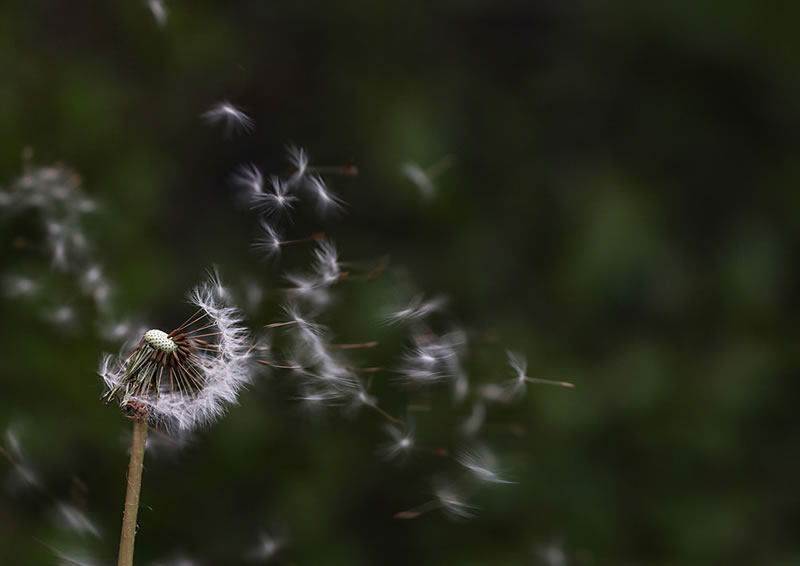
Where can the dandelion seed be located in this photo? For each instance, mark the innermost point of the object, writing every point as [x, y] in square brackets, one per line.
[416, 309]
[62, 316]
[308, 328]
[481, 463]
[23, 475]
[551, 554]
[420, 178]
[299, 159]
[74, 519]
[519, 365]
[185, 378]
[159, 11]
[249, 178]
[454, 501]
[254, 295]
[448, 497]
[177, 560]
[269, 243]
[401, 443]
[233, 119]
[472, 425]
[431, 359]
[265, 549]
[326, 262]
[277, 201]
[65, 559]
[423, 179]
[16, 286]
[326, 200]
[362, 398]
[314, 398]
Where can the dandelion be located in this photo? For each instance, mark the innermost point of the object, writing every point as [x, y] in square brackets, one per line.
[233, 119]
[182, 380]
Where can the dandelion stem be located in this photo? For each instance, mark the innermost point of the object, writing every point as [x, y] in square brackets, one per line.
[132, 495]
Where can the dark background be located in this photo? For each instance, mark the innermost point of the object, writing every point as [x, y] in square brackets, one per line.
[622, 208]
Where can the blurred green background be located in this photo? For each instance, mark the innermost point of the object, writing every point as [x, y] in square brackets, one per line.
[622, 207]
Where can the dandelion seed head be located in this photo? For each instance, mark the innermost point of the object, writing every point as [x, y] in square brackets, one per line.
[159, 340]
[187, 378]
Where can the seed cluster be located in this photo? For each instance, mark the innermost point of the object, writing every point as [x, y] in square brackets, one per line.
[160, 340]
[162, 364]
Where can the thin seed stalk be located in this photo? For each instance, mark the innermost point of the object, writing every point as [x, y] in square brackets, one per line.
[132, 495]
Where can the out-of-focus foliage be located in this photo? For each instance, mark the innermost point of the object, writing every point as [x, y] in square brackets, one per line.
[622, 206]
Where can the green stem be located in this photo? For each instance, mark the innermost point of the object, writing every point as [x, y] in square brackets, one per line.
[132, 495]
